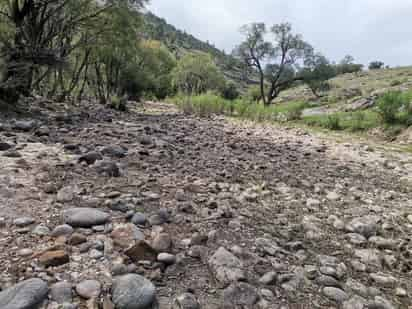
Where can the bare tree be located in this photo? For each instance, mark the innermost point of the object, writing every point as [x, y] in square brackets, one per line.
[275, 62]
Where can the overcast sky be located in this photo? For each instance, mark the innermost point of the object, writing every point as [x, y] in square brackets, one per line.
[366, 29]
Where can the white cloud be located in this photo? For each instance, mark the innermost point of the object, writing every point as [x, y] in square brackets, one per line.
[367, 29]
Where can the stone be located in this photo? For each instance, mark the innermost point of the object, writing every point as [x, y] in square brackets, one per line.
[356, 239]
[369, 257]
[268, 278]
[62, 230]
[54, 258]
[156, 219]
[23, 221]
[240, 295]
[400, 292]
[108, 168]
[133, 292]
[141, 251]
[380, 303]
[114, 151]
[24, 125]
[384, 280]
[166, 258]
[77, 239]
[90, 158]
[66, 194]
[25, 252]
[139, 219]
[61, 292]
[366, 226]
[85, 217]
[41, 230]
[162, 242]
[333, 196]
[327, 281]
[357, 288]
[95, 254]
[356, 302]
[5, 146]
[89, 289]
[27, 294]
[119, 269]
[335, 294]
[119, 205]
[125, 234]
[186, 301]
[226, 267]
[383, 243]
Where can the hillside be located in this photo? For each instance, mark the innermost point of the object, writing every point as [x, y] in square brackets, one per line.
[180, 42]
[349, 87]
[352, 102]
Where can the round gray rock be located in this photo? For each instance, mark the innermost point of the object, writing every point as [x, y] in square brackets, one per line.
[89, 289]
[61, 292]
[85, 217]
[133, 292]
[28, 294]
[62, 230]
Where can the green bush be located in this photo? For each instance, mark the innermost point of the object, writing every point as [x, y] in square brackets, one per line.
[395, 82]
[230, 91]
[118, 103]
[295, 112]
[358, 121]
[389, 106]
[333, 122]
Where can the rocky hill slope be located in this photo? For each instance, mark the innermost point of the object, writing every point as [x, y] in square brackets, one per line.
[157, 209]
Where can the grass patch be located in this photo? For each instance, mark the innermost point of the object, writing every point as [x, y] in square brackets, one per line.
[392, 112]
[209, 104]
[352, 121]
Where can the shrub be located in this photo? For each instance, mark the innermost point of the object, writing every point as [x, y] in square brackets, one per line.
[230, 91]
[295, 112]
[333, 123]
[118, 103]
[396, 82]
[389, 106]
[376, 65]
[358, 121]
[253, 94]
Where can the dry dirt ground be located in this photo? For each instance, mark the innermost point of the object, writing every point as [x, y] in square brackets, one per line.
[258, 216]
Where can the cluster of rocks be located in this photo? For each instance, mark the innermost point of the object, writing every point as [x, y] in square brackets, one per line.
[192, 213]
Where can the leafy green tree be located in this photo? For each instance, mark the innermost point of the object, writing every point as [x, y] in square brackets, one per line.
[348, 65]
[376, 65]
[277, 61]
[230, 91]
[197, 73]
[42, 35]
[317, 72]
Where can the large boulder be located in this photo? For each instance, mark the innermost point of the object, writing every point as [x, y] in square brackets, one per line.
[85, 217]
[133, 292]
[28, 294]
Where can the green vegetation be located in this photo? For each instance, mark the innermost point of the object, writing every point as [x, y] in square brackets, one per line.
[209, 104]
[112, 52]
[395, 108]
[180, 43]
[353, 121]
[196, 74]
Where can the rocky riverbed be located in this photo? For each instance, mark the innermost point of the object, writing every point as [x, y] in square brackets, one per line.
[156, 209]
